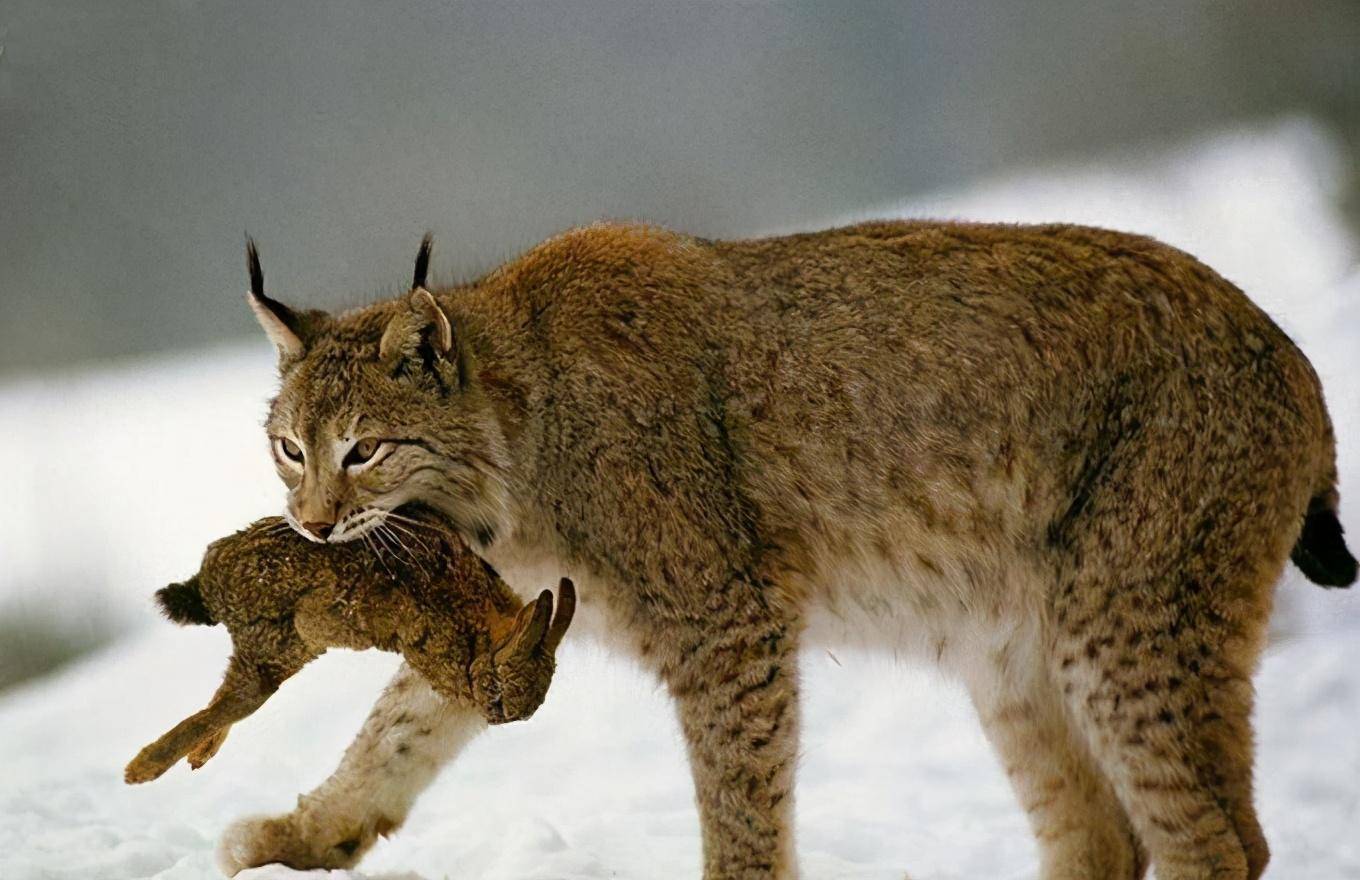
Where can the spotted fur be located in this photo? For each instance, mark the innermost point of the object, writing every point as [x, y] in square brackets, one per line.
[1066, 464]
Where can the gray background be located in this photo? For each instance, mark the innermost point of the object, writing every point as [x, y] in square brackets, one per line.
[139, 140]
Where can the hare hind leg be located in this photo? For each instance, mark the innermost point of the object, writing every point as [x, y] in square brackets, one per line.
[1081, 828]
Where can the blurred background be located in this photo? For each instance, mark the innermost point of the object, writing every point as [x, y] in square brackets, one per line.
[139, 141]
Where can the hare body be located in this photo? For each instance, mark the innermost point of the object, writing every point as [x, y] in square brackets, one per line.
[1067, 464]
[286, 603]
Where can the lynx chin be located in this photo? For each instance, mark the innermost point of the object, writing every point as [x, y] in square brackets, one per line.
[1065, 464]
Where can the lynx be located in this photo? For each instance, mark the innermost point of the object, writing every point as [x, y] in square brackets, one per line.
[1065, 464]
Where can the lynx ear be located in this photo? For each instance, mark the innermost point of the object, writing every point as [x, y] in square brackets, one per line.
[281, 324]
[441, 336]
[421, 333]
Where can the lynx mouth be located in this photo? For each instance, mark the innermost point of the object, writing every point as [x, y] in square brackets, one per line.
[357, 525]
[297, 527]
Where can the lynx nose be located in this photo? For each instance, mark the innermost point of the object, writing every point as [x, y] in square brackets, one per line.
[322, 530]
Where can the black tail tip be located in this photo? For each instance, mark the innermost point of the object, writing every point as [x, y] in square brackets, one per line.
[183, 603]
[1321, 552]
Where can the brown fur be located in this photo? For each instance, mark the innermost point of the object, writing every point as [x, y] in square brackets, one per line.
[285, 603]
[1068, 464]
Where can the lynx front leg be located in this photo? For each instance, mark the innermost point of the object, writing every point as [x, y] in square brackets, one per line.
[409, 735]
[736, 689]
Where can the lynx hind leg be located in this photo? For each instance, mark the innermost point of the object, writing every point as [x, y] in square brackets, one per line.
[1082, 830]
[1167, 563]
[410, 734]
[1159, 675]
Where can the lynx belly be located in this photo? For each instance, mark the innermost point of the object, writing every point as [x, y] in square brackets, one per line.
[946, 615]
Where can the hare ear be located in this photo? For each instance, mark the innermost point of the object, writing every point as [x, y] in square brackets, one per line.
[281, 324]
[536, 627]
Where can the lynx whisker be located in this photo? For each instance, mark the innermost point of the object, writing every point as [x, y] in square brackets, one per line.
[405, 550]
[384, 537]
[414, 555]
[393, 516]
[410, 533]
[377, 553]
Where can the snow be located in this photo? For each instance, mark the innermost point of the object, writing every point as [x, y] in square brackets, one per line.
[894, 773]
[141, 464]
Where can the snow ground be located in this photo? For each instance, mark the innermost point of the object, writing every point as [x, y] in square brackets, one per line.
[140, 465]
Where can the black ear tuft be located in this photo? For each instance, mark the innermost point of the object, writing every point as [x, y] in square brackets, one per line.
[253, 267]
[423, 261]
[286, 316]
[290, 331]
[183, 603]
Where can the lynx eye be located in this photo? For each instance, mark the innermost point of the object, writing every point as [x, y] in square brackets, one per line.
[365, 451]
[288, 449]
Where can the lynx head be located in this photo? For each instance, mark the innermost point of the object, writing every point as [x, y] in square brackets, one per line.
[376, 409]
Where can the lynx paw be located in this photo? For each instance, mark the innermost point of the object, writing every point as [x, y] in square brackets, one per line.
[290, 840]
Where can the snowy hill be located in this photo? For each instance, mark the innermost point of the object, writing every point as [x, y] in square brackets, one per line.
[131, 470]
